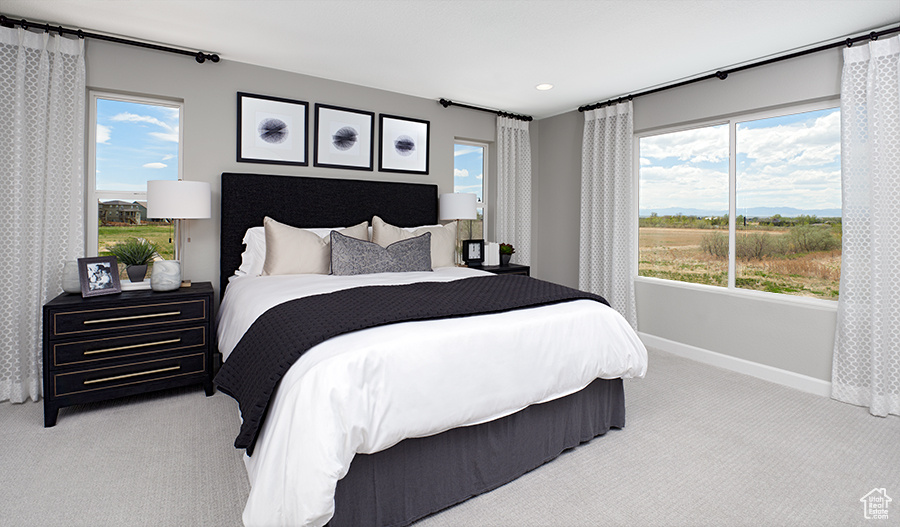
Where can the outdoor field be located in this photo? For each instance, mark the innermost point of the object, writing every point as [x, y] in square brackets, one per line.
[771, 260]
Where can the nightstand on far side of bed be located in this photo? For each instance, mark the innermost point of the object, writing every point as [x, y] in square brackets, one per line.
[505, 269]
[110, 346]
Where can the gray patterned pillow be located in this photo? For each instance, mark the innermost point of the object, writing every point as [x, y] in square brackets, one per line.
[350, 256]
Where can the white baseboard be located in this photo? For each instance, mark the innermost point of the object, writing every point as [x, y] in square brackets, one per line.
[762, 371]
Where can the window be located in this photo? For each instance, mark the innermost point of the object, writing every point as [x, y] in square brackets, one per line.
[469, 176]
[782, 173]
[133, 139]
[684, 201]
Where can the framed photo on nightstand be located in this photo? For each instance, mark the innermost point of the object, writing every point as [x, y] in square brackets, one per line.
[473, 252]
[99, 275]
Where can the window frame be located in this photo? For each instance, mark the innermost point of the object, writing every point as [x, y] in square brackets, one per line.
[732, 122]
[483, 204]
[92, 195]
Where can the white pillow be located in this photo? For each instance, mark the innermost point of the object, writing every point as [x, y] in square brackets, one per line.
[254, 255]
[443, 239]
[253, 258]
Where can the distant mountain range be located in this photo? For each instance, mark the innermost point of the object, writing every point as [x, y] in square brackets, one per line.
[753, 212]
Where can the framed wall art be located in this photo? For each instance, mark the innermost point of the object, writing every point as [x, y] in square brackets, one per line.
[272, 130]
[99, 275]
[343, 138]
[404, 144]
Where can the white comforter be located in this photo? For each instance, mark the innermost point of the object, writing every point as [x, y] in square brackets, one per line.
[368, 390]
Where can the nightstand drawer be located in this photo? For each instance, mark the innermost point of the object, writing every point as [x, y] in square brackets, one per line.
[96, 379]
[132, 345]
[91, 320]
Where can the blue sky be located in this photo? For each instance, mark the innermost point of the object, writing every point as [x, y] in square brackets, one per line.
[788, 161]
[135, 143]
[468, 169]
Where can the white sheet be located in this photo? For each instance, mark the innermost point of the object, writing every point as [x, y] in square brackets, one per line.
[368, 390]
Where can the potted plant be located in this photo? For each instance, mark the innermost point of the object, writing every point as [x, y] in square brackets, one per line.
[506, 252]
[135, 254]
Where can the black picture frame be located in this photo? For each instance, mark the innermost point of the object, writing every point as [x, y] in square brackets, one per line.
[99, 275]
[402, 141]
[344, 138]
[473, 252]
[272, 130]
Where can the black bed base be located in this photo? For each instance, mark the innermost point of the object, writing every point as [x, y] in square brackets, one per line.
[421, 476]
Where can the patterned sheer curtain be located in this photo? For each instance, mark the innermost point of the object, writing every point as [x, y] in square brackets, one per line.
[607, 255]
[866, 364]
[514, 187]
[41, 191]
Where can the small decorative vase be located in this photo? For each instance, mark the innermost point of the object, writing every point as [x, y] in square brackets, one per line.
[136, 273]
[166, 275]
[504, 259]
[71, 283]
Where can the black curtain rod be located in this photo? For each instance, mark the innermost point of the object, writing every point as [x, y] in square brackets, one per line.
[199, 56]
[723, 74]
[447, 102]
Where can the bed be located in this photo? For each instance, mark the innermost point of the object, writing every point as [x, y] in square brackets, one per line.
[408, 454]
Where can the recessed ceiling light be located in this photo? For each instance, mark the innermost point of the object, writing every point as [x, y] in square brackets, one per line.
[544, 87]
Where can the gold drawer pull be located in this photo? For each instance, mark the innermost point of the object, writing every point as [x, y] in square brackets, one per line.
[126, 376]
[135, 317]
[133, 346]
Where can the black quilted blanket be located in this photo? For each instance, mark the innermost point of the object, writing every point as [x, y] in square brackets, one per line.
[285, 332]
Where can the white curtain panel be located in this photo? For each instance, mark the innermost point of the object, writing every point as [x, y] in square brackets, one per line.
[607, 252]
[866, 364]
[514, 187]
[42, 96]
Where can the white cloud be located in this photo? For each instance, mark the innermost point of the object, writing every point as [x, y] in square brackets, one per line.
[134, 118]
[167, 157]
[479, 176]
[791, 165]
[467, 188]
[103, 134]
[707, 144]
[685, 186]
[155, 165]
[467, 150]
[170, 137]
[457, 172]
[170, 134]
[797, 144]
[173, 113]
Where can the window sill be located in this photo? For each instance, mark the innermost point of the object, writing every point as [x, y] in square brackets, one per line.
[763, 296]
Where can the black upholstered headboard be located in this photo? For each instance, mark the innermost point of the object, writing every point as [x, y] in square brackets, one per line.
[313, 202]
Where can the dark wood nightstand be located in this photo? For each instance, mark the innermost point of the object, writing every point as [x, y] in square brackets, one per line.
[109, 346]
[506, 269]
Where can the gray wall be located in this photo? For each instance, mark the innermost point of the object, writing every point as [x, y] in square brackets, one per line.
[557, 190]
[209, 121]
[788, 335]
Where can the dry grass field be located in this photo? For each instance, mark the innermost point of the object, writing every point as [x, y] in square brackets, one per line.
[677, 254]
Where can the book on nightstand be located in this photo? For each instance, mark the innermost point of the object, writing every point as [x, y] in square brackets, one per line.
[128, 285]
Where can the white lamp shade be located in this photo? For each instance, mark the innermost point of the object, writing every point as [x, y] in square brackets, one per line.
[458, 207]
[178, 199]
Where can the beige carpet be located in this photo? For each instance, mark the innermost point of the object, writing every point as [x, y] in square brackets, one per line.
[702, 446]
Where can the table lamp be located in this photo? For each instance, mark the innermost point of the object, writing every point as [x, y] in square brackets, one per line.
[458, 207]
[178, 200]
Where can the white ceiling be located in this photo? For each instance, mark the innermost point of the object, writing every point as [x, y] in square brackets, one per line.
[488, 53]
